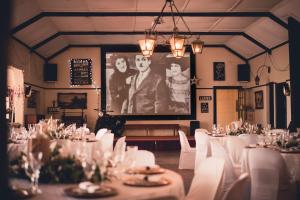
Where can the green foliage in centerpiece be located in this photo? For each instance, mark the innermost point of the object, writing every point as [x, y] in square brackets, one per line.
[58, 169]
[238, 131]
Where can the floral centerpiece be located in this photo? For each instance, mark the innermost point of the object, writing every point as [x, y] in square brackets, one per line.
[56, 169]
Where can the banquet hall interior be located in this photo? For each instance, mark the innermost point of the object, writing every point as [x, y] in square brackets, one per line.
[161, 99]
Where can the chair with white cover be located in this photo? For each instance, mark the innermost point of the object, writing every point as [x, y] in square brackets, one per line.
[187, 154]
[120, 146]
[143, 158]
[229, 175]
[107, 141]
[249, 138]
[206, 180]
[238, 190]
[100, 133]
[235, 146]
[270, 179]
[202, 142]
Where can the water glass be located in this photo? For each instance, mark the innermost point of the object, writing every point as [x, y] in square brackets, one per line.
[89, 167]
[32, 164]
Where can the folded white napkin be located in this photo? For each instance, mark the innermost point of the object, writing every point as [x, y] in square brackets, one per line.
[88, 186]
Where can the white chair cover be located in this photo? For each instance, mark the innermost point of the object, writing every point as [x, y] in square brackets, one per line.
[235, 147]
[229, 176]
[202, 142]
[249, 138]
[206, 180]
[100, 133]
[107, 141]
[187, 154]
[238, 190]
[143, 158]
[119, 150]
[269, 176]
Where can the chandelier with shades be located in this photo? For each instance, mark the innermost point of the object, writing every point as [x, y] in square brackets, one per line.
[177, 42]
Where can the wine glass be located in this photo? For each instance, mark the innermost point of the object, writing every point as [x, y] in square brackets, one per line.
[89, 167]
[32, 164]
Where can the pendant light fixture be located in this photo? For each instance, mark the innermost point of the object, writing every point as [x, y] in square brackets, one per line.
[177, 42]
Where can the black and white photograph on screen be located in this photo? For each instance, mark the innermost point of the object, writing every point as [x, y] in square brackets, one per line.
[137, 85]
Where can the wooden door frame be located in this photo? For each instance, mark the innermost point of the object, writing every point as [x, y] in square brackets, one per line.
[215, 88]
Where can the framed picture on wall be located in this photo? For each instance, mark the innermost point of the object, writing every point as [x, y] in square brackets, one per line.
[204, 107]
[32, 100]
[259, 99]
[219, 71]
[164, 92]
[72, 100]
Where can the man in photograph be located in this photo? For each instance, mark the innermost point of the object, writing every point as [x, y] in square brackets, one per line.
[148, 93]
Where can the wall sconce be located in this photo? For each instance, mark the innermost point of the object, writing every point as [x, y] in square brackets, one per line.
[259, 72]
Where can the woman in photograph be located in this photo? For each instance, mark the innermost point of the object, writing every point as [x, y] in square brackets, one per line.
[179, 84]
[119, 83]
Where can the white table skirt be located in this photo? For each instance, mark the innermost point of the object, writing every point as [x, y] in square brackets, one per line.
[175, 189]
[292, 161]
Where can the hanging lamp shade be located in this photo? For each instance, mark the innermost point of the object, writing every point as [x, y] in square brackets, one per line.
[147, 53]
[179, 53]
[177, 42]
[197, 46]
[147, 45]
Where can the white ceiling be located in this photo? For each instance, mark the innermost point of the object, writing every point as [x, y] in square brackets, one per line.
[264, 30]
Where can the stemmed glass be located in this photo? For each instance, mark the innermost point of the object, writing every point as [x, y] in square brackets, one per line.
[32, 164]
[89, 167]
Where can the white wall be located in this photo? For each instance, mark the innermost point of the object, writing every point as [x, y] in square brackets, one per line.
[32, 66]
[204, 71]
[62, 84]
[279, 62]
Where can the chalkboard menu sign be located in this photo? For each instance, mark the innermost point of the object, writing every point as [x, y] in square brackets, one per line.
[81, 71]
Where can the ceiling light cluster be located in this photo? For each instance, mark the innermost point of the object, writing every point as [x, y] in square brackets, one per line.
[177, 42]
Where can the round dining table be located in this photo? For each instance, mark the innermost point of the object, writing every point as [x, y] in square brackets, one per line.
[175, 190]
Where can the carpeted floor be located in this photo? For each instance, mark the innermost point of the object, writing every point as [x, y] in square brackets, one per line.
[169, 160]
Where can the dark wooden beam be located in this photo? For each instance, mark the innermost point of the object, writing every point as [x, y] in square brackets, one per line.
[147, 14]
[38, 45]
[294, 52]
[27, 23]
[142, 33]
[273, 48]
[28, 47]
[271, 103]
[58, 52]
[256, 42]
[236, 53]
[101, 45]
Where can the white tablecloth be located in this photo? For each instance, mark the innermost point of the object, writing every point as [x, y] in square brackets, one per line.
[292, 161]
[175, 189]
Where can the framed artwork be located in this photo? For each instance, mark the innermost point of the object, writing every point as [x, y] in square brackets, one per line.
[141, 88]
[259, 99]
[32, 100]
[219, 71]
[204, 108]
[80, 71]
[72, 100]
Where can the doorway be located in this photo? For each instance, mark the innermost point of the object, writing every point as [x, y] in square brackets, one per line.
[226, 105]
